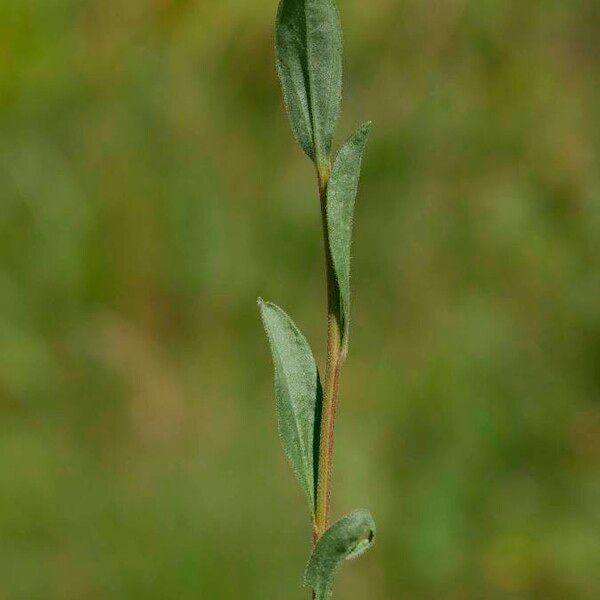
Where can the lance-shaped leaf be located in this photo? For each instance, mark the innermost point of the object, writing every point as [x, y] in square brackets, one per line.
[309, 64]
[341, 194]
[348, 538]
[298, 395]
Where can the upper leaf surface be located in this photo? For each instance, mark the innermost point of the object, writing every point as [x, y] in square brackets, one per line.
[346, 539]
[309, 64]
[297, 392]
[341, 196]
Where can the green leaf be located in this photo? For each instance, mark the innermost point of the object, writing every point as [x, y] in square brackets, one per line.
[350, 537]
[298, 395]
[341, 194]
[309, 64]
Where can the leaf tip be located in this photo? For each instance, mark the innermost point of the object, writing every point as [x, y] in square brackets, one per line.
[365, 129]
[263, 307]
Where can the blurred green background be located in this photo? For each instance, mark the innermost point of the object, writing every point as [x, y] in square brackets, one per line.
[150, 190]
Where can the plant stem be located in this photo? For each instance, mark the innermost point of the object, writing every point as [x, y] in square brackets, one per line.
[332, 371]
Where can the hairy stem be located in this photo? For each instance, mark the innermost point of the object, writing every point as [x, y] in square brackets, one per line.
[332, 371]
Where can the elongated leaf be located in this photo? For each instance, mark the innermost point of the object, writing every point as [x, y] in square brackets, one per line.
[309, 64]
[298, 395]
[348, 538]
[341, 195]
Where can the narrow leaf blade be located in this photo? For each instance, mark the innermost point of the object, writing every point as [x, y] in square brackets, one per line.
[298, 395]
[341, 196]
[346, 539]
[309, 65]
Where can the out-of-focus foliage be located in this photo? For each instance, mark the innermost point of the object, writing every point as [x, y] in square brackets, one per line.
[150, 188]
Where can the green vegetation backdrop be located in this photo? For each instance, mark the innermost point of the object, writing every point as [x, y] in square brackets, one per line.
[150, 188]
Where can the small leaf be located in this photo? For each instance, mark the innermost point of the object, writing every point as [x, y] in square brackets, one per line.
[298, 395]
[350, 537]
[309, 64]
[341, 194]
